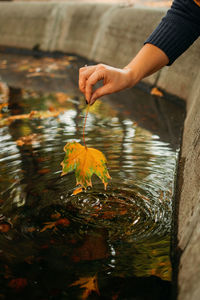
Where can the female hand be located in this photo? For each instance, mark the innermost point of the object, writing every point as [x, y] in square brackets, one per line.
[114, 80]
[148, 60]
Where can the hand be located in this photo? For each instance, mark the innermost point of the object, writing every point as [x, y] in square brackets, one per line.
[148, 60]
[114, 80]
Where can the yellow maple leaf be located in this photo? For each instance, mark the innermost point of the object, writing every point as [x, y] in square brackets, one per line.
[86, 162]
[89, 284]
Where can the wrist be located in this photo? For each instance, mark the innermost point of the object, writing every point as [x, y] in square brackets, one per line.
[132, 75]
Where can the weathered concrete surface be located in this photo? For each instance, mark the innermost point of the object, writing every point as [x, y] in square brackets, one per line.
[113, 34]
[179, 78]
[189, 206]
[108, 33]
[77, 27]
[26, 26]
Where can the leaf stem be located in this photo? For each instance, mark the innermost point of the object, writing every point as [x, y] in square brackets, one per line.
[86, 114]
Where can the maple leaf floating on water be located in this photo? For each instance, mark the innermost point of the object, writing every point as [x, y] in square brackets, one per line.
[86, 162]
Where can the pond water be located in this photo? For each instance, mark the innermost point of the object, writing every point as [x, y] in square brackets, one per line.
[98, 244]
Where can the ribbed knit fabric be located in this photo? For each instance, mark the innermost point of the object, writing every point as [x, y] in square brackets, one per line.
[178, 29]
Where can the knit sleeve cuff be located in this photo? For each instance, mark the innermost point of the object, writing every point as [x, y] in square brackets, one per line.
[173, 36]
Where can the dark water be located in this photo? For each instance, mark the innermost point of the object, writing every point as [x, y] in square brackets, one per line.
[98, 244]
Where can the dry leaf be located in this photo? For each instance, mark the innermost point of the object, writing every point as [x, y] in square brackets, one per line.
[27, 140]
[4, 227]
[4, 92]
[77, 191]
[2, 105]
[29, 259]
[109, 214]
[23, 68]
[18, 283]
[63, 221]
[89, 284]
[61, 97]
[56, 215]
[37, 114]
[31, 229]
[70, 58]
[48, 225]
[155, 91]
[86, 162]
[44, 171]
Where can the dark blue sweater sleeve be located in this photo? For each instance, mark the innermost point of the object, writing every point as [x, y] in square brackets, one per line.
[178, 29]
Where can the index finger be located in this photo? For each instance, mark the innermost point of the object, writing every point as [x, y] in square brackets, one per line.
[84, 74]
[92, 80]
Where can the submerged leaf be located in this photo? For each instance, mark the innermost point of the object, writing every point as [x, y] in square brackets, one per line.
[48, 225]
[18, 283]
[89, 284]
[4, 227]
[64, 222]
[86, 162]
[27, 140]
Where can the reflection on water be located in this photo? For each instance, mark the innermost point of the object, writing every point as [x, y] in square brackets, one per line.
[53, 242]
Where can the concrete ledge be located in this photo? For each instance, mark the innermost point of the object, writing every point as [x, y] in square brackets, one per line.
[189, 200]
[113, 34]
[26, 25]
[108, 33]
[77, 27]
[179, 78]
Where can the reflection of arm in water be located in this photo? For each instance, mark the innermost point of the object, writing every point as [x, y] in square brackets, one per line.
[175, 33]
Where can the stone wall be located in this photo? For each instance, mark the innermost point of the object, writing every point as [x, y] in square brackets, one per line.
[113, 34]
[189, 200]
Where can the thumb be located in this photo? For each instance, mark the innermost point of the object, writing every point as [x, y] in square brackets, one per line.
[102, 91]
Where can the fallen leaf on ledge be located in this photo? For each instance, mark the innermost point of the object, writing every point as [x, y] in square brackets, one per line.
[156, 92]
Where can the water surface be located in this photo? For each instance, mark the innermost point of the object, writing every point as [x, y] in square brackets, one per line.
[98, 244]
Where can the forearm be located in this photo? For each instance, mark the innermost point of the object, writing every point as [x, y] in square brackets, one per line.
[177, 30]
[148, 60]
[175, 33]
